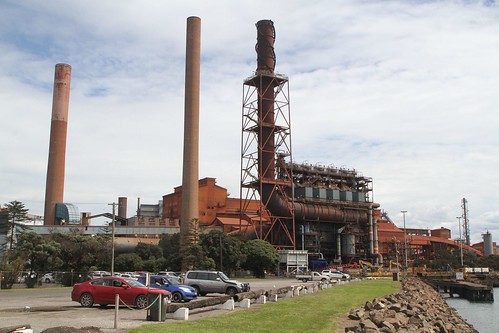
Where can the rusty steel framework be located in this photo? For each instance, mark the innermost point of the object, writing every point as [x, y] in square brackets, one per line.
[466, 222]
[260, 140]
[322, 200]
[266, 133]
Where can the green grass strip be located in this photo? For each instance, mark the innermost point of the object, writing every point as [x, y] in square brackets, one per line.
[317, 312]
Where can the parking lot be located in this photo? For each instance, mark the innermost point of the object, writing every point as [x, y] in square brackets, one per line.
[51, 306]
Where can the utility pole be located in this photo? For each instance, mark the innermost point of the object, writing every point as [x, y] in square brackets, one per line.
[113, 232]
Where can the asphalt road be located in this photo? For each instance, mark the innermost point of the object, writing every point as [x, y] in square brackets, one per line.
[51, 306]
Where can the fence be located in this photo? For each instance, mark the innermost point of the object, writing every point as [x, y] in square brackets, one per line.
[10, 279]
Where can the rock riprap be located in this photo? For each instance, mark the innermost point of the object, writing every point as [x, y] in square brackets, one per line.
[417, 308]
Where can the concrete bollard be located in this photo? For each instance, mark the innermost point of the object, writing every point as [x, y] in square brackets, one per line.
[245, 303]
[229, 305]
[262, 299]
[181, 314]
[273, 298]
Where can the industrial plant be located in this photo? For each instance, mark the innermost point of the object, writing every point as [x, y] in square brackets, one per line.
[321, 210]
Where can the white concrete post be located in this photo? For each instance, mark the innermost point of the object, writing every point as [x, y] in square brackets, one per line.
[245, 303]
[116, 307]
[181, 314]
[229, 305]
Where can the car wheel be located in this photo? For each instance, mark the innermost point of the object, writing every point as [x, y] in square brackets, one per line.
[141, 302]
[198, 290]
[47, 280]
[177, 297]
[231, 291]
[86, 300]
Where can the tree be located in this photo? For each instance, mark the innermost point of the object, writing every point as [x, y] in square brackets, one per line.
[41, 255]
[17, 213]
[225, 250]
[491, 261]
[195, 258]
[148, 251]
[80, 252]
[127, 262]
[154, 265]
[4, 228]
[170, 244]
[261, 256]
[445, 260]
[11, 268]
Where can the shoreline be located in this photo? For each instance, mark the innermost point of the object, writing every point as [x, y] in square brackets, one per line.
[416, 308]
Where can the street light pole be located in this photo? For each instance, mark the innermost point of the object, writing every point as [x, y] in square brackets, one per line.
[460, 240]
[405, 239]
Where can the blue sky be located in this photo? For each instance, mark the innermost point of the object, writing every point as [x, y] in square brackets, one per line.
[406, 92]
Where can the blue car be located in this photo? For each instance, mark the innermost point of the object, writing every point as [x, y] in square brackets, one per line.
[179, 292]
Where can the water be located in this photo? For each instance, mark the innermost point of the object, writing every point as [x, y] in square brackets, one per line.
[483, 316]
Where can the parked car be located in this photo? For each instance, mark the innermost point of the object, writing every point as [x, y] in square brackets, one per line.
[103, 291]
[313, 276]
[97, 274]
[337, 275]
[126, 275]
[47, 278]
[214, 282]
[171, 274]
[180, 292]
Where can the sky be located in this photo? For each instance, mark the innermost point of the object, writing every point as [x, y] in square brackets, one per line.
[405, 92]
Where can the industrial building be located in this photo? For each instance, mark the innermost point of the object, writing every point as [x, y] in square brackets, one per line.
[322, 209]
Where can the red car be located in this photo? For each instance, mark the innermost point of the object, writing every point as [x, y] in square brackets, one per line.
[103, 291]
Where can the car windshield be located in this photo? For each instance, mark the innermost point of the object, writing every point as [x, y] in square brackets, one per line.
[172, 281]
[223, 276]
[134, 283]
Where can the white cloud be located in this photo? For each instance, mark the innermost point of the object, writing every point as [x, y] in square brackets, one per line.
[404, 91]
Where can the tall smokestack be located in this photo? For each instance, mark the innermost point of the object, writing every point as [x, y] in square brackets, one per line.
[266, 65]
[54, 191]
[122, 207]
[190, 185]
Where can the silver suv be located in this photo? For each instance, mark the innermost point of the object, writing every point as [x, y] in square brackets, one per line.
[214, 282]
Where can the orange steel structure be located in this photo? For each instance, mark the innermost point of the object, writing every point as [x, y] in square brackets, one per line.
[267, 130]
[286, 190]
[218, 211]
[421, 243]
